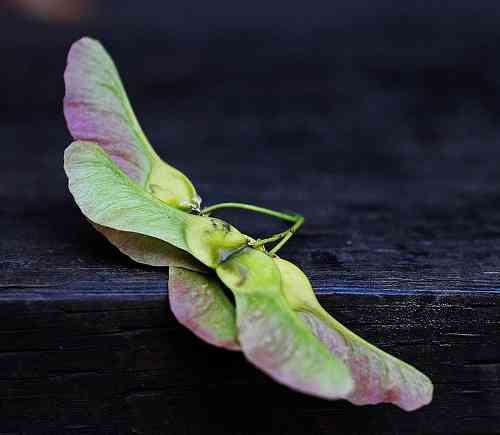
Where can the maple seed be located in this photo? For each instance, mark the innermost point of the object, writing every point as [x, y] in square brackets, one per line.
[151, 212]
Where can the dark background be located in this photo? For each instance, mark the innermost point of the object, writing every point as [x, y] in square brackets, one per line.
[379, 121]
[393, 91]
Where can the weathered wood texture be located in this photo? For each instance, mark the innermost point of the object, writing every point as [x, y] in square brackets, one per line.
[389, 148]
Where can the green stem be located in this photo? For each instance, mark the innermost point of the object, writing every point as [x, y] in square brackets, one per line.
[250, 207]
[293, 229]
[284, 236]
[273, 238]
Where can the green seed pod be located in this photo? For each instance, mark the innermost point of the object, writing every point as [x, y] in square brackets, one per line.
[211, 240]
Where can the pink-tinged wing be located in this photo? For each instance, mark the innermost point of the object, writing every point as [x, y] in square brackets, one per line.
[97, 109]
[149, 250]
[378, 376]
[199, 303]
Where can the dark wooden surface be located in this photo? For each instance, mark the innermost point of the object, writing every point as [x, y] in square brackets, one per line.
[388, 144]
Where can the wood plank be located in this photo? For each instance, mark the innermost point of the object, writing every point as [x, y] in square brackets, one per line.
[114, 363]
[391, 154]
[88, 344]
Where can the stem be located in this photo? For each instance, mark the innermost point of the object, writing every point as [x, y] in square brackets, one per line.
[293, 229]
[250, 207]
[273, 238]
[284, 236]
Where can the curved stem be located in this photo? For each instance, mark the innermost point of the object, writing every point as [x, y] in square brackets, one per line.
[297, 220]
[250, 207]
[293, 229]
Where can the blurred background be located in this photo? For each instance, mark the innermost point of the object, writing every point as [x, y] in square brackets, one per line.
[376, 121]
[382, 72]
[379, 121]
[391, 89]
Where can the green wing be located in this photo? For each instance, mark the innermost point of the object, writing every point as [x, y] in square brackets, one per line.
[271, 335]
[108, 197]
[153, 232]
